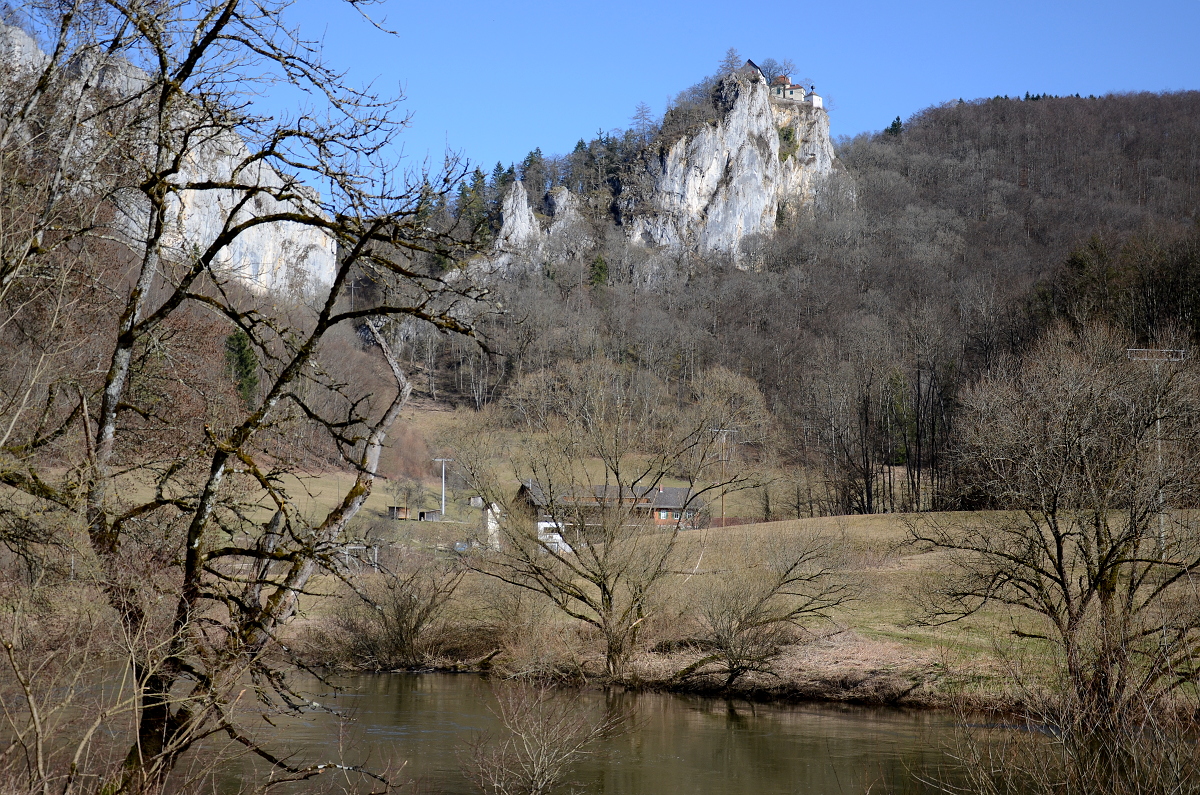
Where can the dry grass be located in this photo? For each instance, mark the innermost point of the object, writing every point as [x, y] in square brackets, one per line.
[873, 649]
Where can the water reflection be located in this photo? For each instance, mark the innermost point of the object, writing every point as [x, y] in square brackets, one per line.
[679, 744]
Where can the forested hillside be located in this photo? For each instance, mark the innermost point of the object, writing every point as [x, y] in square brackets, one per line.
[971, 227]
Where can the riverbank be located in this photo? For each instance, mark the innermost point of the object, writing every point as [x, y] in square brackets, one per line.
[872, 650]
[842, 667]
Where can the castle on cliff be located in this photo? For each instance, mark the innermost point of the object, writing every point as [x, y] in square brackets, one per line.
[784, 90]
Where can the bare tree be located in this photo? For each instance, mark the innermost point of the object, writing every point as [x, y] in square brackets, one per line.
[1154, 755]
[1086, 453]
[748, 612]
[598, 441]
[408, 493]
[772, 69]
[643, 122]
[392, 619]
[546, 732]
[135, 123]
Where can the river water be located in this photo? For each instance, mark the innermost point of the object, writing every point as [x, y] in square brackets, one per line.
[677, 744]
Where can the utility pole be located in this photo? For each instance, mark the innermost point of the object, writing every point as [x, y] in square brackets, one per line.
[443, 462]
[1157, 356]
[724, 438]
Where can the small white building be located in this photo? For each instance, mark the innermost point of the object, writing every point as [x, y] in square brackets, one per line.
[782, 88]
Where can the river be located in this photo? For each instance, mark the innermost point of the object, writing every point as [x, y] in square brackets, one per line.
[677, 744]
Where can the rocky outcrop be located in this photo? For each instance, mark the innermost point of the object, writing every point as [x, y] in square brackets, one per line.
[269, 256]
[18, 50]
[731, 178]
[761, 162]
[279, 255]
[811, 163]
[569, 235]
[528, 241]
[521, 231]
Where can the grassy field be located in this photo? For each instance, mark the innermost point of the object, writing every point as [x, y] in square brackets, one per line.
[874, 648]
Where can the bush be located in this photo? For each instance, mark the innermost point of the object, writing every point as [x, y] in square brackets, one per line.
[396, 620]
[1061, 752]
[545, 733]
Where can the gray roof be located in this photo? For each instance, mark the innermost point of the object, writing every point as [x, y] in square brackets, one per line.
[653, 497]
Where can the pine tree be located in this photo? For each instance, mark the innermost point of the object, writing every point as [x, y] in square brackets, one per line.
[576, 168]
[496, 184]
[599, 271]
[895, 128]
[533, 174]
[471, 206]
[243, 364]
[497, 188]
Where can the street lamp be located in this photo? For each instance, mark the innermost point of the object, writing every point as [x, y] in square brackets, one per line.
[443, 462]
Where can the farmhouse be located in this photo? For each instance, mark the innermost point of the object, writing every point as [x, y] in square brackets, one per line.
[582, 507]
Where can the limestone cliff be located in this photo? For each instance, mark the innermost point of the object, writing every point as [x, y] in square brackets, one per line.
[528, 241]
[268, 256]
[760, 162]
[810, 163]
[732, 177]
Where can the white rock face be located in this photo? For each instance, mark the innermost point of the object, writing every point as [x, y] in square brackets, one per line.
[808, 168]
[726, 181]
[527, 242]
[270, 256]
[569, 235]
[520, 230]
[18, 51]
[762, 162]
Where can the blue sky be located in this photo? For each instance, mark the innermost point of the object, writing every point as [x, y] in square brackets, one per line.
[494, 80]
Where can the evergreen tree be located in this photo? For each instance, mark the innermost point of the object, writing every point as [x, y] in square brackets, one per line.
[471, 206]
[243, 364]
[533, 174]
[496, 185]
[497, 188]
[599, 271]
[895, 128]
[576, 168]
